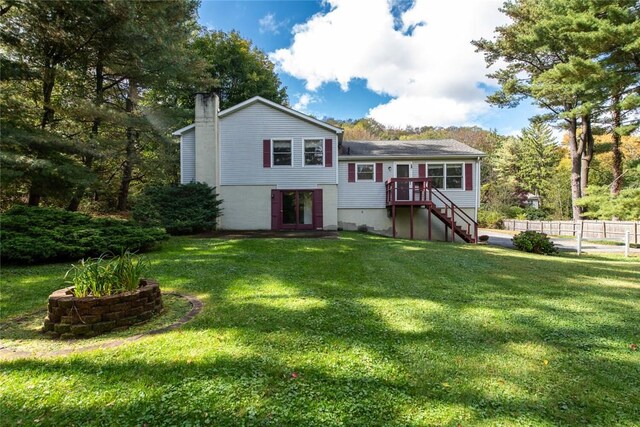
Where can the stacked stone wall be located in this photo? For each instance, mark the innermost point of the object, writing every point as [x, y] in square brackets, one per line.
[71, 317]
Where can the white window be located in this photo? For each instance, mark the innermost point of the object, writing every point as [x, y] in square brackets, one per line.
[281, 152]
[365, 172]
[313, 152]
[446, 176]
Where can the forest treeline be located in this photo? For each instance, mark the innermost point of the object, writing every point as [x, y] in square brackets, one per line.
[90, 92]
[533, 163]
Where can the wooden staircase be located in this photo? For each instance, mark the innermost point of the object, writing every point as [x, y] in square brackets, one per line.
[420, 192]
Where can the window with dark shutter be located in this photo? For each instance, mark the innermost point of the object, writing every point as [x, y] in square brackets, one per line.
[266, 153]
[328, 153]
[378, 172]
[352, 172]
[468, 176]
[282, 152]
[365, 172]
[313, 152]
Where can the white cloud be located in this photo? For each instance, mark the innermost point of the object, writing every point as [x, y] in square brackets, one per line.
[269, 24]
[303, 102]
[428, 66]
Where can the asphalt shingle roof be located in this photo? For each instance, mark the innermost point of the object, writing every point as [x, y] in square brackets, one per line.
[419, 148]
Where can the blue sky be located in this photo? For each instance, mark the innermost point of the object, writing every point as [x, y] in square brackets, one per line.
[402, 62]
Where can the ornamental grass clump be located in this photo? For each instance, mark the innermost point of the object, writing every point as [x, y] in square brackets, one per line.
[103, 276]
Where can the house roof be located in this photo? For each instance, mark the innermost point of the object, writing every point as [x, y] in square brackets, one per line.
[271, 104]
[180, 131]
[431, 148]
[282, 108]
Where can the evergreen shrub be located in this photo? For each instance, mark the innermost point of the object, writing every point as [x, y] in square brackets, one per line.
[37, 235]
[180, 209]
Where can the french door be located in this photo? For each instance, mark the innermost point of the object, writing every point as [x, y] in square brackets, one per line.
[296, 209]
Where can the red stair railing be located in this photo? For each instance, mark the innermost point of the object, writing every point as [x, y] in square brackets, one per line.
[421, 190]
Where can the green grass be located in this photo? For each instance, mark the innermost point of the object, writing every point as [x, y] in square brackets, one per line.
[22, 334]
[357, 331]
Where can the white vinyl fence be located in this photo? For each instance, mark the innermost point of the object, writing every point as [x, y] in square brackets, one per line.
[591, 229]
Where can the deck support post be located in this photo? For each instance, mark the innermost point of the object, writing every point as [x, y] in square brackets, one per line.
[393, 219]
[453, 225]
[411, 220]
[429, 221]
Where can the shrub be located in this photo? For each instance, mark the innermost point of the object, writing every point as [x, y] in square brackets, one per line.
[516, 212]
[532, 241]
[534, 214]
[101, 276]
[30, 234]
[490, 219]
[182, 209]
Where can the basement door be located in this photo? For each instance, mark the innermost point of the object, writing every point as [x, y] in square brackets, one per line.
[296, 209]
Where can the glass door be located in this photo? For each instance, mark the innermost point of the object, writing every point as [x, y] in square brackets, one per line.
[297, 210]
[403, 170]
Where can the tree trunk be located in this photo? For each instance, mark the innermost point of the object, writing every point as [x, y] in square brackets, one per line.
[617, 183]
[74, 204]
[574, 149]
[587, 153]
[132, 139]
[34, 197]
[48, 113]
[48, 82]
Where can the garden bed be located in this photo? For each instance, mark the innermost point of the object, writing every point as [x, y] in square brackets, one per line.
[72, 317]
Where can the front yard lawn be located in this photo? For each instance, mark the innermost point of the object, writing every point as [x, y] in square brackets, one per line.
[363, 330]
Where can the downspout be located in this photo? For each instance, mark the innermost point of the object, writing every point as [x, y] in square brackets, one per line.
[182, 161]
[478, 164]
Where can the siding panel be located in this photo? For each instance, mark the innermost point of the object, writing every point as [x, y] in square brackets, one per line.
[361, 195]
[188, 157]
[241, 153]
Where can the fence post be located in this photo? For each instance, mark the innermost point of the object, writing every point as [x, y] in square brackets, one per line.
[635, 232]
[626, 243]
[579, 242]
[604, 229]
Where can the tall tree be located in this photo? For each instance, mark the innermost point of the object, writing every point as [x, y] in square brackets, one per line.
[564, 54]
[238, 69]
[538, 159]
[38, 40]
[89, 67]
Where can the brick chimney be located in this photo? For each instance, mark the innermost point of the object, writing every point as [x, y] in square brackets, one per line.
[207, 139]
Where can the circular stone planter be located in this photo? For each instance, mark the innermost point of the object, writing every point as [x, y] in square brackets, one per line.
[71, 317]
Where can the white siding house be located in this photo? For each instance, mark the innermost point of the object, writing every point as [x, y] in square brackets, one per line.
[276, 168]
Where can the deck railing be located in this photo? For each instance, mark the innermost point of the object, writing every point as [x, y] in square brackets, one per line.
[420, 191]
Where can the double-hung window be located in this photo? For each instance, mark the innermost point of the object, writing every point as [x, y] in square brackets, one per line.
[281, 152]
[365, 172]
[446, 176]
[313, 152]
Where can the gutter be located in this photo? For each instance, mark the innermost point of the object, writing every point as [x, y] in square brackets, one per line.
[344, 158]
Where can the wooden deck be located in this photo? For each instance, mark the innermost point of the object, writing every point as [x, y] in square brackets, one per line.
[419, 192]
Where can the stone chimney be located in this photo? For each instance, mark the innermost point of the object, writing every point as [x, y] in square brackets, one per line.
[207, 139]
